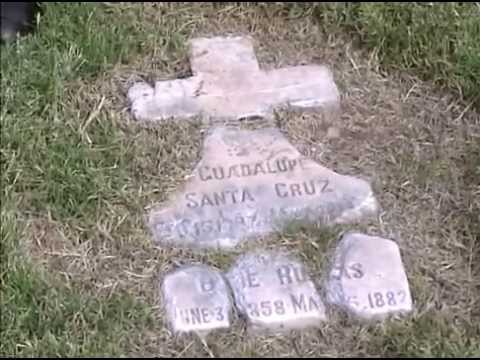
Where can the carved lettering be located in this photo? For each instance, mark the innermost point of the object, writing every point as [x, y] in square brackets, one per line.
[270, 169]
[311, 187]
[218, 173]
[233, 171]
[196, 298]
[300, 304]
[259, 169]
[266, 308]
[205, 315]
[280, 190]
[295, 190]
[227, 197]
[292, 164]
[364, 285]
[202, 172]
[250, 280]
[245, 170]
[223, 224]
[201, 315]
[281, 165]
[257, 183]
[191, 202]
[351, 271]
[380, 299]
[279, 290]
[289, 274]
[206, 201]
[355, 271]
[247, 196]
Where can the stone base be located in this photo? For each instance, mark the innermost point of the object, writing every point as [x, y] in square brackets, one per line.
[274, 292]
[368, 279]
[252, 183]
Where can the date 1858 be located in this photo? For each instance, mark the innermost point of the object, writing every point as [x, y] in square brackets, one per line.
[266, 308]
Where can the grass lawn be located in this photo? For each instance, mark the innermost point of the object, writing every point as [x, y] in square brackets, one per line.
[78, 269]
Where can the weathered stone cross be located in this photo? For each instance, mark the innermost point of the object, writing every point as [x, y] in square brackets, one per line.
[228, 84]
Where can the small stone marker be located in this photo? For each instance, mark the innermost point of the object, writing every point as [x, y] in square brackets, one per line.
[197, 299]
[250, 183]
[368, 278]
[228, 84]
[273, 291]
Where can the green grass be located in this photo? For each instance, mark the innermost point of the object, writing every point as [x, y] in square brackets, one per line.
[84, 178]
[43, 315]
[435, 41]
[428, 336]
[43, 318]
[46, 167]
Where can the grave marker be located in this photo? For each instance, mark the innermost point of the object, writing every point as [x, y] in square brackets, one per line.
[368, 279]
[197, 299]
[250, 183]
[228, 84]
[273, 291]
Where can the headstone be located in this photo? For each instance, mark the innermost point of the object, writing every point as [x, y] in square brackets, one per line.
[228, 84]
[368, 279]
[250, 183]
[274, 292]
[197, 299]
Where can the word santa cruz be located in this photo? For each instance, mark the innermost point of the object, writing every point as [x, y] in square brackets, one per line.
[235, 196]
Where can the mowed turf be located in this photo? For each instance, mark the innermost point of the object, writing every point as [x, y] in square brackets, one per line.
[79, 273]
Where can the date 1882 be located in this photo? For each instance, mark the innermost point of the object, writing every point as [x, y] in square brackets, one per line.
[389, 298]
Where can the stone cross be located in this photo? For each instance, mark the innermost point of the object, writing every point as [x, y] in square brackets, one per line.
[228, 84]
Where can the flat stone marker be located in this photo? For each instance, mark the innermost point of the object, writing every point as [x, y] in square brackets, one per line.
[228, 84]
[368, 279]
[197, 299]
[273, 292]
[250, 183]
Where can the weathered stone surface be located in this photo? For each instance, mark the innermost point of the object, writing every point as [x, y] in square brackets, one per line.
[273, 291]
[197, 299]
[250, 183]
[368, 279]
[228, 84]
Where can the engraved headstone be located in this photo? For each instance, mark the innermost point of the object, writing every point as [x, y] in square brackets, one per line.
[368, 279]
[250, 183]
[274, 292]
[228, 84]
[197, 299]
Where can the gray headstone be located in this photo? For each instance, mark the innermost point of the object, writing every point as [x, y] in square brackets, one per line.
[197, 299]
[274, 292]
[250, 183]
[228, 84]
[368, 279]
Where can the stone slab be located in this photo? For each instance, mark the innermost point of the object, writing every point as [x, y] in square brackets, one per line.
[228, 84]
[197, 299]
[250, 183]
[368, 279]
[274, 292]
